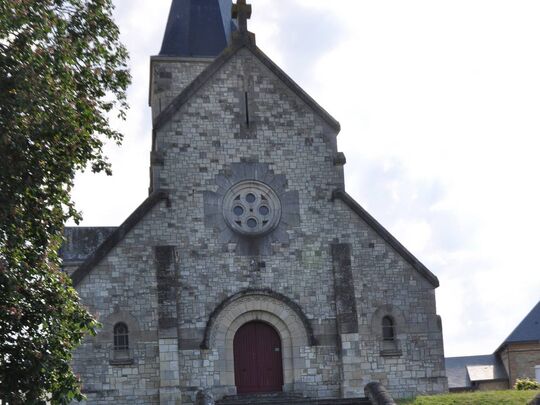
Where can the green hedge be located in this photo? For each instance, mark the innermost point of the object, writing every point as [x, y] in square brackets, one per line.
[524, 384]
[508, 397]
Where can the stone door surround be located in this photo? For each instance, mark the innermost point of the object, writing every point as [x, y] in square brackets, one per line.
[264, 307]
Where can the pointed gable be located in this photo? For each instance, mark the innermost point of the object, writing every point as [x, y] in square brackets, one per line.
[386, 236]
[116, 236]
[240, 42]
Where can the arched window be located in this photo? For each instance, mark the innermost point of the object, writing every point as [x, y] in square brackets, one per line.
[121, 337]
[388, 329]
[389, 338]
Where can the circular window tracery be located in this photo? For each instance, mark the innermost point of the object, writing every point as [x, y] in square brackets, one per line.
[251, 208]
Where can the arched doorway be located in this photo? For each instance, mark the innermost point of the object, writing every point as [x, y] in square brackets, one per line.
[257, 359]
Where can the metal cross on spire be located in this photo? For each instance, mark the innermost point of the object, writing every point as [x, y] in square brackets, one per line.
[241, 12]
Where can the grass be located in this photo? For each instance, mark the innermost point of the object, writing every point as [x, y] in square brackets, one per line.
[510, 397]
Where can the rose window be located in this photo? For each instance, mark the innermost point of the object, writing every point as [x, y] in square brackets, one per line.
[251, 208]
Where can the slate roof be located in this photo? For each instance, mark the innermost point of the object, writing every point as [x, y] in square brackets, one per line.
[80, 242]
[198, 28]
[527, 331]
[461, 371]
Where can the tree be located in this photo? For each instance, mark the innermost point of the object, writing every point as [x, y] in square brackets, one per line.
[63, 71]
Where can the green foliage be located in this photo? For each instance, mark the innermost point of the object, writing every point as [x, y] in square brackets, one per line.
[506, 397]
[62, 71]
[523, 384]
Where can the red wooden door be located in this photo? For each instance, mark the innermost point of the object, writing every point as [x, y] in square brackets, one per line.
[257, 359]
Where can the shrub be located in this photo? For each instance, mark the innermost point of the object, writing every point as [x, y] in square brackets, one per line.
[523, 384]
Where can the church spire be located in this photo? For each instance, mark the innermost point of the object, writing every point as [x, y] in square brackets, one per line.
[198, 28]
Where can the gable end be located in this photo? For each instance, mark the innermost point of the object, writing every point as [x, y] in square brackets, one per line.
[116, 237]
[238, 43]
[386, 236]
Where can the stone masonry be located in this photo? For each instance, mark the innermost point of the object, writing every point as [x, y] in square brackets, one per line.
[183, 282]
[520, 360]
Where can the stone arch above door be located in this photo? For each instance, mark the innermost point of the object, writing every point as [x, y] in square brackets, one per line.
[265, 306]
[258, 300]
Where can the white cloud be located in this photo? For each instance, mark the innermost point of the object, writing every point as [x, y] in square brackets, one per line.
[439, 105]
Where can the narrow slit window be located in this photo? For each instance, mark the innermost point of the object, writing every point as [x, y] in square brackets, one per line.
[247, 108]
[388, 329]
[121, 337]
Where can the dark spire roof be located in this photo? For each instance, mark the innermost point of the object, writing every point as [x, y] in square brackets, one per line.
[198, 28]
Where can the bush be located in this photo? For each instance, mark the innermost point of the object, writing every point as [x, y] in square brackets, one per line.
[523, 384]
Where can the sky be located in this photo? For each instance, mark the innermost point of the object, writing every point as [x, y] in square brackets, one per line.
[439, 104]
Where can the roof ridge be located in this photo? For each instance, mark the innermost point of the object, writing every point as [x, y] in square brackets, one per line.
[471, 356]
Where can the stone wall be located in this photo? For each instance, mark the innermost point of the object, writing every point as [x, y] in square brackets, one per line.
[520, 359]
[203, 146]
[386, 285]
[201, 143]
[492, 385]
[171, 75]
[123, 288]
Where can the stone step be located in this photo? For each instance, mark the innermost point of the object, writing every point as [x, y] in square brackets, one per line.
[286, 398]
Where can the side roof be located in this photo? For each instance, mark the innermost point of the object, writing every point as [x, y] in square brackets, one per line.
[457, 370]
[528, 329]
[386, 236]
[241, 41]
[81, 241]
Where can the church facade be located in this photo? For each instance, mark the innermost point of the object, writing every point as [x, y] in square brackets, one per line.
[248, 268]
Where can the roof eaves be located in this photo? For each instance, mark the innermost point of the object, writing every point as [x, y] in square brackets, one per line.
[500, 348]
[386, 236]
[509, 342]
[239, 42]
[116, 237]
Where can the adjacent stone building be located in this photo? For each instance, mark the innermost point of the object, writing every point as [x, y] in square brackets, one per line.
[520, 352]
[248, 268]
[517, 357]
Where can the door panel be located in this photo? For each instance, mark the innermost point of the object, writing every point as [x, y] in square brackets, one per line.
[257, 359]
